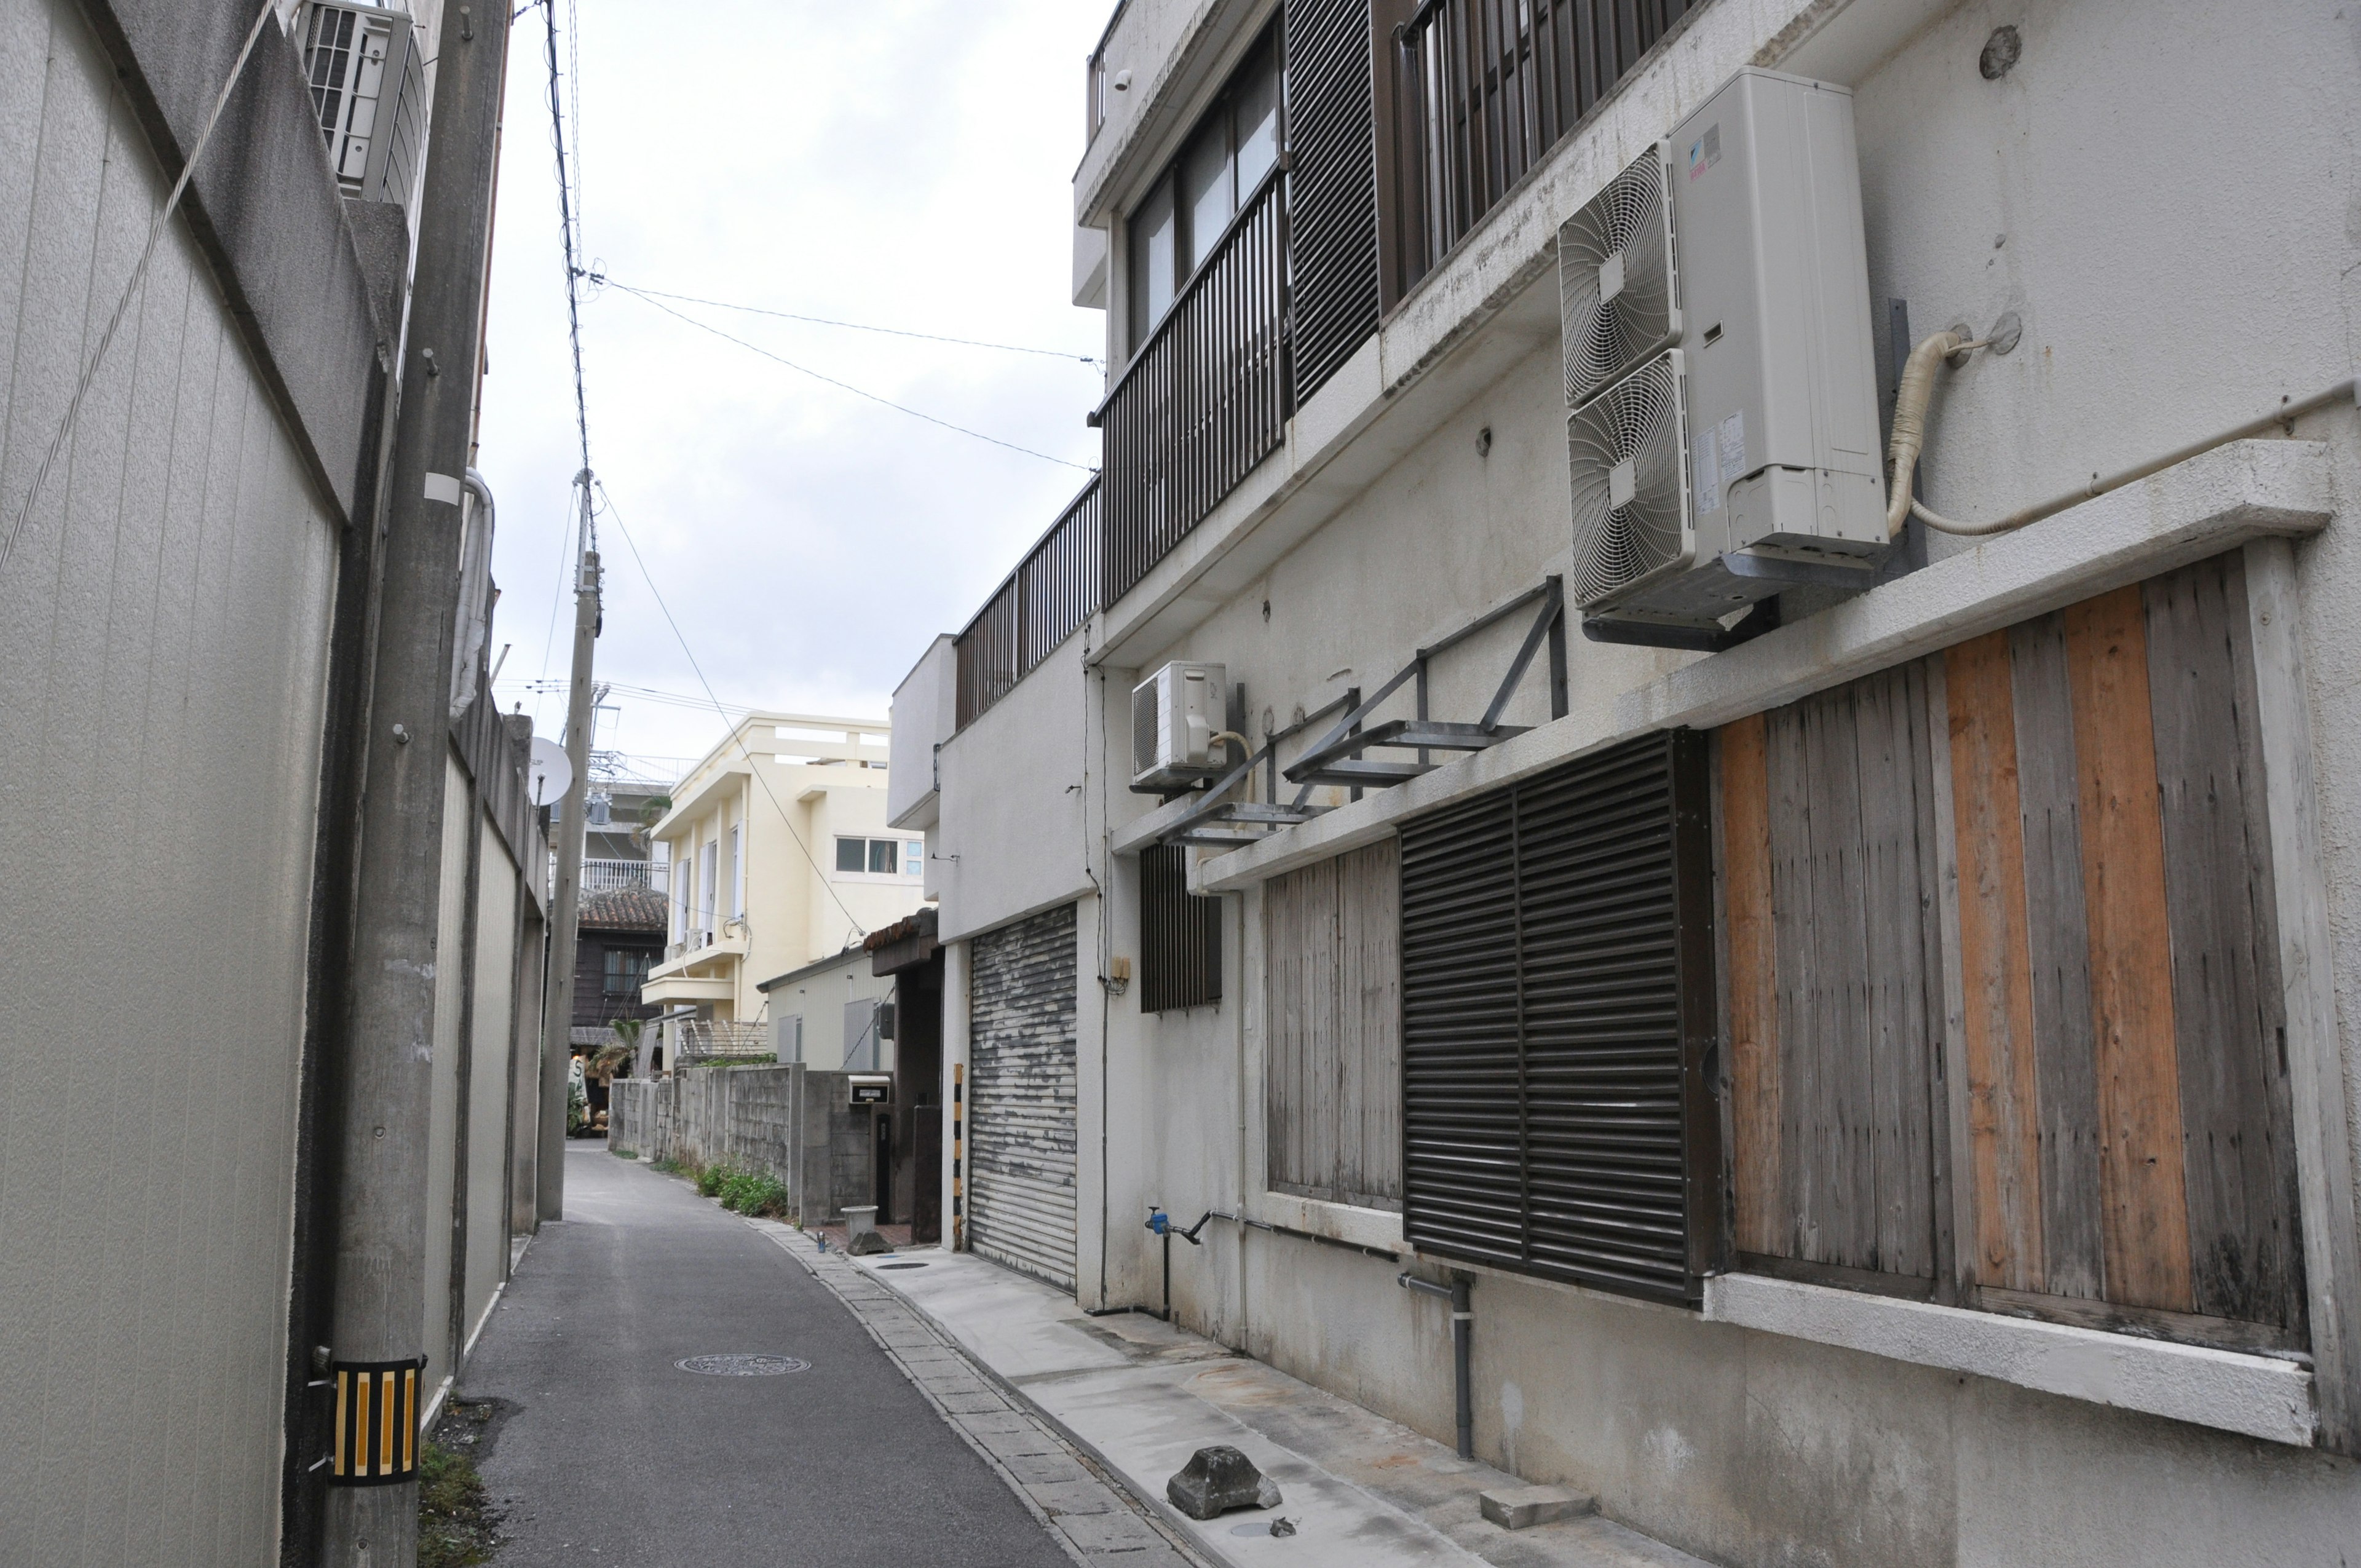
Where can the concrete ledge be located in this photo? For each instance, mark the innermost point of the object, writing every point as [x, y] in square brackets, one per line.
[1346, 1223]
[2255, 1395]
[2201, 507]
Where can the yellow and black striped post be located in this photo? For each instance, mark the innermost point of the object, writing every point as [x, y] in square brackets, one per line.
[377, 1423]
[959, 1149]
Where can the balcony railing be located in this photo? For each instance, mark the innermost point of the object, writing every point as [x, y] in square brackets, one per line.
[1205, 400]
[1484, 88]
[617, 876]
[1053, 590]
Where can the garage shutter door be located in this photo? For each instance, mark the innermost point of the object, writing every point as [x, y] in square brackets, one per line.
[1021, 1065]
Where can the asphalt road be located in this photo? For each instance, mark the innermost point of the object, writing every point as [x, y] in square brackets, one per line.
[606, 1452]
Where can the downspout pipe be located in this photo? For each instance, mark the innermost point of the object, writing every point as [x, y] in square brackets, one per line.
[1463, 1323]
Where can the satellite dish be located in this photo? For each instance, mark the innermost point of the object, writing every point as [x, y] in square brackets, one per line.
[549, 775]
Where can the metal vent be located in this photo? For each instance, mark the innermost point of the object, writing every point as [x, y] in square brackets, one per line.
[1180, 934]
[1618, 285]
[1143, 728]
[1332, 188]
[1627, 455]
[1557, 1015]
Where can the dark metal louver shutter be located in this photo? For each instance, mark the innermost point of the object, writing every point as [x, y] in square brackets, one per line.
[1021, 1114]
[1333, 190]
[1557, 1006]
[1180, 934]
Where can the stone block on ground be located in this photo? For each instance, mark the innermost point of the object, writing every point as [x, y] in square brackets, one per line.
[1517, 1507]
[1217, 1479]
[867, 1242]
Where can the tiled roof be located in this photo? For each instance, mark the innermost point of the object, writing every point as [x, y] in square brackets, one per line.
[624, 909]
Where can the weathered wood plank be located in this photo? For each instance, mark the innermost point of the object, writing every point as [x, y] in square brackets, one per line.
[1794, 979]
[1333, 1075]
[1896, 1034]
[2239, 1169]
[1955, 1223]
[2324, 1153]
[1753, 980]
[1376, 912]
[2002, 1095]
[2059, 938]
[1846, 1091]
[2146, 1208]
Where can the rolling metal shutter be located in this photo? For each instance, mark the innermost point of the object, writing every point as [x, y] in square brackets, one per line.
[1021, 1115]
[1557, 1021]
[1332, 189]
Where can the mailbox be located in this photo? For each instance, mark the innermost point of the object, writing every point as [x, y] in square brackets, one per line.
[870, 1088]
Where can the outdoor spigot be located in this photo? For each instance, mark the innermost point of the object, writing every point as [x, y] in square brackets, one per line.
[1158, 1222]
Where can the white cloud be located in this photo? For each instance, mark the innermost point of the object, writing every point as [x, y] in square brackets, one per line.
[905, 164]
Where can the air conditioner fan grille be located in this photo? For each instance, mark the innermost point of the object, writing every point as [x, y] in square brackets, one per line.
[1626, 227]
[1629, 460]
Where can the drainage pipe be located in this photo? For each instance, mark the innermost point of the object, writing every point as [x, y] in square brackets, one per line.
[1463, 1323]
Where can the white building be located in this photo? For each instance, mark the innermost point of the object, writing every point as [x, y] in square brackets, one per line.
[1888, 1076]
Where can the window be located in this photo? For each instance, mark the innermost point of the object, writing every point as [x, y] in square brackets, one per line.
[1332, 1066]
[1176, 226]
[1180, 934]
[627, 969]
[709, 882]
[881, 857]
[737, 873]
[2067, 815]
[1558, 996]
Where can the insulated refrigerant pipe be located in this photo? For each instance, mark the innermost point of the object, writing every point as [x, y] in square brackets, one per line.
[1463, 1323]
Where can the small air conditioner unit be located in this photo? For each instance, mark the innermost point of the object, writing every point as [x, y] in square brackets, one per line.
[368, 91]
[1723, 434]
[1175, 714]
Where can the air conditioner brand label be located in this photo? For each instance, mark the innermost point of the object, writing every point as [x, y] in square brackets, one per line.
[1706, 151]
[1721, 459]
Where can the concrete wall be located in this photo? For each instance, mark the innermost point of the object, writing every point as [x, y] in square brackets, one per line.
[2131, 166]
[164, 619]
[925, 714]
[795, 1125]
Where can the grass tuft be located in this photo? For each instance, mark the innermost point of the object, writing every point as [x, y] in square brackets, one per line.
[455, 1519]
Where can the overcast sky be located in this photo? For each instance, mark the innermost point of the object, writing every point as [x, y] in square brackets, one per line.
[901, 163]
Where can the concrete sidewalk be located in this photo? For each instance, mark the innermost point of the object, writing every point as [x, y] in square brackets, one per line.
[1140, 1398]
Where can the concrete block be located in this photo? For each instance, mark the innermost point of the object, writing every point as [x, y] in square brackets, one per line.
[1517, 1507]
[1217, 1479]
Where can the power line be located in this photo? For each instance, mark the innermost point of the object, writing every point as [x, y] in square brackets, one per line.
[845, 386]
[132, 288]
[785, 820]
[573, 272]
[601, 280]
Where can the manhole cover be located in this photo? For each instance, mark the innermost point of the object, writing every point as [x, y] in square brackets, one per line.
[901, 1265]
[742, 1366]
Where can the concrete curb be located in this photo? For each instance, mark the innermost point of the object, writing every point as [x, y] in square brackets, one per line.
[1155, 1514]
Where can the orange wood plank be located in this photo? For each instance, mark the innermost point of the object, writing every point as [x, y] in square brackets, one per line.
[2145, 1220]
[1764, 1220]
[2004, 1114]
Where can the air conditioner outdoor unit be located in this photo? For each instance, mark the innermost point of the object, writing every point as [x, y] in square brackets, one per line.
[1175, 714]
[368, 90]
[1723, 438]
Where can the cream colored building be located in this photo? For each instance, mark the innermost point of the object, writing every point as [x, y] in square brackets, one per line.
[781, 857]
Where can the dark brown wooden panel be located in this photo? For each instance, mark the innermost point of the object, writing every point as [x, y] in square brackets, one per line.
[2146, 1213]
[1753, 988]
[2002, 1159]
[2059, 940]
[2239, 1169]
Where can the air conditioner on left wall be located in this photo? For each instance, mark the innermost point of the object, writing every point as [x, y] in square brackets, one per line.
[369, 93]
[1723, 440]
[1175, 715]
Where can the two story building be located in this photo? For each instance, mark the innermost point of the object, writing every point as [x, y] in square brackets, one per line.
[779, 857]
[1704, 690]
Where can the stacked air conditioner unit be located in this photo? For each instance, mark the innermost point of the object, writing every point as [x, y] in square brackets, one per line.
[368, 90]
[1723, 436]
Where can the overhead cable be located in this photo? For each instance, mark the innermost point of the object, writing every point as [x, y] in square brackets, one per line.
[845, 386]
[785, 820]
[132, 287]
[602, 280]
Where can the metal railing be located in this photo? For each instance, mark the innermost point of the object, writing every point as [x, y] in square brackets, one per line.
[1485, 88]
[618, 876]
[707, 1039]
[1053, 590]
[1204, 400]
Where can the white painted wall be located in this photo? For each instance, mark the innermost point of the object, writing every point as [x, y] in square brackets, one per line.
[2175, 195]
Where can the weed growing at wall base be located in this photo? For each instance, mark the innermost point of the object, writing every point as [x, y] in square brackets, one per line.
[455, 1521]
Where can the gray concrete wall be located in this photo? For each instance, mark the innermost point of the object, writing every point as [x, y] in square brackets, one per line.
[163, 635]
[491, 1068]
[787, 1121]
[2130, 165]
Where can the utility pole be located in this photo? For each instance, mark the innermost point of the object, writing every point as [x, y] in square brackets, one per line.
[557, 1018]
[381, 1301]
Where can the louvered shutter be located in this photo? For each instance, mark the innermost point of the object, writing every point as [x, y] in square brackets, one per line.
[1332, 189]
[1557, 1005]
[1021, 1111]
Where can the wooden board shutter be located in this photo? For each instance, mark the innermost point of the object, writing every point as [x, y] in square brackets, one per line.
[1332, 189]
[1558, 1020]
